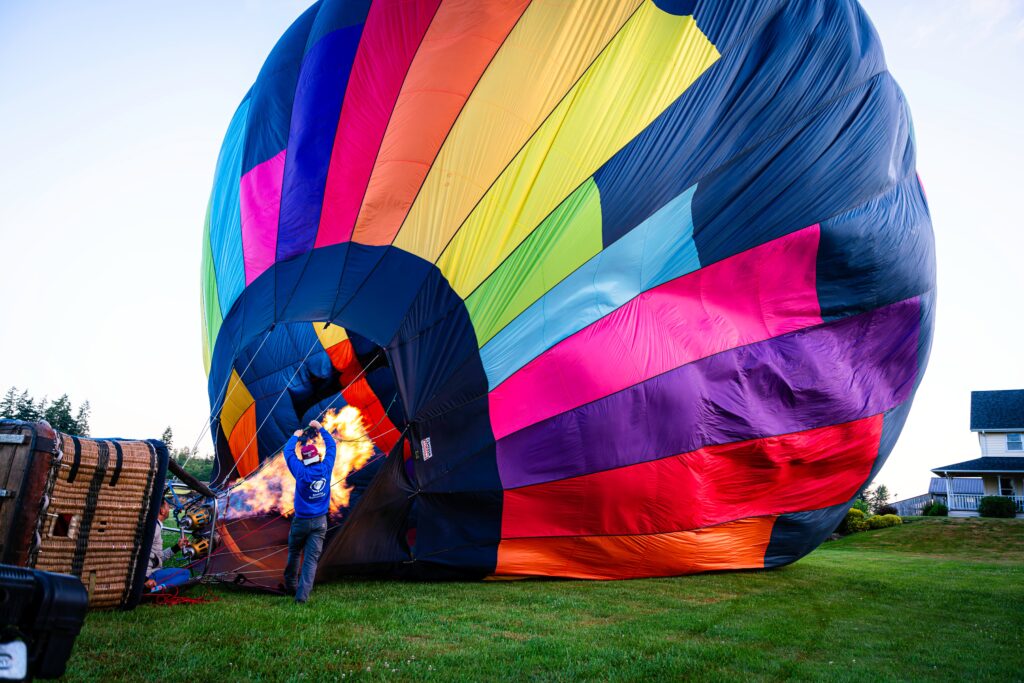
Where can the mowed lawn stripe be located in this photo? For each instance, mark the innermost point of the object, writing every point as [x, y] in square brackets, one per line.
[934, 599]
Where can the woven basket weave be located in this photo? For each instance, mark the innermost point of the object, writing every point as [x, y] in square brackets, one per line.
[91, 506]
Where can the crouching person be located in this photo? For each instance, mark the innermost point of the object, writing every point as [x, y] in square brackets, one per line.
[312, 472]
[158, 577]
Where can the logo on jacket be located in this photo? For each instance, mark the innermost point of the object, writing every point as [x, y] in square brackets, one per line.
[317, 486]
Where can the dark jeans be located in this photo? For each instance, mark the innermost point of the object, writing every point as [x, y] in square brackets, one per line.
[306, 537]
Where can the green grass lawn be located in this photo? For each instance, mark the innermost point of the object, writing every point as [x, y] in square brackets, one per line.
[936, 599]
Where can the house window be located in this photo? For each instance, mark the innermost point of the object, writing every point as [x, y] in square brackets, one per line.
[1014, 443]
[1006, 487]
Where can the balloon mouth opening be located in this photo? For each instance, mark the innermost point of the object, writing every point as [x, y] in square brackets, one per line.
[348, 385]
[402, 351]
[339, 378]
[332, 368]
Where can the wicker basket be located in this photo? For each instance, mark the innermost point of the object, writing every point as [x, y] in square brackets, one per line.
[81, 506]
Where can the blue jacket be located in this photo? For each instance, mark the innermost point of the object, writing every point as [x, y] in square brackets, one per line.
[312, 482]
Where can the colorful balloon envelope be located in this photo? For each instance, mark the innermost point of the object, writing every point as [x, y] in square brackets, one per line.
[619, 288]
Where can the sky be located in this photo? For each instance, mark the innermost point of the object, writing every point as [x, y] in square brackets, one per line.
[114, 113]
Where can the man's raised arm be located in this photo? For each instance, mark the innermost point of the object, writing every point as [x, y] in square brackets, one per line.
[289, 449]
[330, 447]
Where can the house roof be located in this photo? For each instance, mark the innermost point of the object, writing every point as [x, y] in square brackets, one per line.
[988, 465]
[959, 485]
[996, 410]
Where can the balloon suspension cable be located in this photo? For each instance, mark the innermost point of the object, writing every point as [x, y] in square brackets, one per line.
[222, 399]
[354, 380]
[270, 412]
[363, 371]
[370, 429]
[277, 549]
[322, 412]
[283, 514]
[261, 527]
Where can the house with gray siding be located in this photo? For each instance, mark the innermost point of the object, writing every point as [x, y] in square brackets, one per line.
[997, 417]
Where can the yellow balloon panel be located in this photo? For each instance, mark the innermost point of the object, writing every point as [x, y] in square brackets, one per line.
[551, 47]
[236, 400]
[334, 334]
[648, 65]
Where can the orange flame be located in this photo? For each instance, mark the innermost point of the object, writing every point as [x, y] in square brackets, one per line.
[272, 487]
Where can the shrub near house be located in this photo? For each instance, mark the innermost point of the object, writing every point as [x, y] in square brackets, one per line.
[884, 521]
[856, 521]
[996, 506]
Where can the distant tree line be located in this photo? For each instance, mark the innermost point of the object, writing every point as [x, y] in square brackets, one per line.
[20, 405]
[59, 413]
[199, 466]
[875, 501]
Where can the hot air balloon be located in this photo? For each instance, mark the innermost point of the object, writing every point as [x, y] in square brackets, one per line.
[610, 289]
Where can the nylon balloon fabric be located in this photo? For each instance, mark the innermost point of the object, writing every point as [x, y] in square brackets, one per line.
[619, 288]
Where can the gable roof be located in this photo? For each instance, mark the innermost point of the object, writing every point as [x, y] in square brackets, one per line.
[995, 410]
[959, 485]
[988, 465]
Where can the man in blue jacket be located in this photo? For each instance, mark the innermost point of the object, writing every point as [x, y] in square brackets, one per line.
[312, 472]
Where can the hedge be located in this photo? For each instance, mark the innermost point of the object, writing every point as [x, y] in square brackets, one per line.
[856, 520]
[883, 521]
[997, 506]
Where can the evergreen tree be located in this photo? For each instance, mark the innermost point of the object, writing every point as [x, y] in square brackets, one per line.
[58, 414]
[25, 408]
[168, 438]
[8, 405]
[82, 419]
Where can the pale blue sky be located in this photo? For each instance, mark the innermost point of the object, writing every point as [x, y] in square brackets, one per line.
[113, 114]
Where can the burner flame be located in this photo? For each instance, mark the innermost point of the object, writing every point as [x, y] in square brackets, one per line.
[272, 488]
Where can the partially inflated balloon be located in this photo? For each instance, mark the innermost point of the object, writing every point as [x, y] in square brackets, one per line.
[620, 288]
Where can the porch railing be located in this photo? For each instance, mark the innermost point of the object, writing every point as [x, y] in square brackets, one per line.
[969, 502]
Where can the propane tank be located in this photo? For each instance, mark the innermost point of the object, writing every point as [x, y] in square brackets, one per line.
[196, 517]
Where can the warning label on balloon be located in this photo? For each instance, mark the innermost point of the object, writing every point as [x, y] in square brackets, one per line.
[425, 449]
